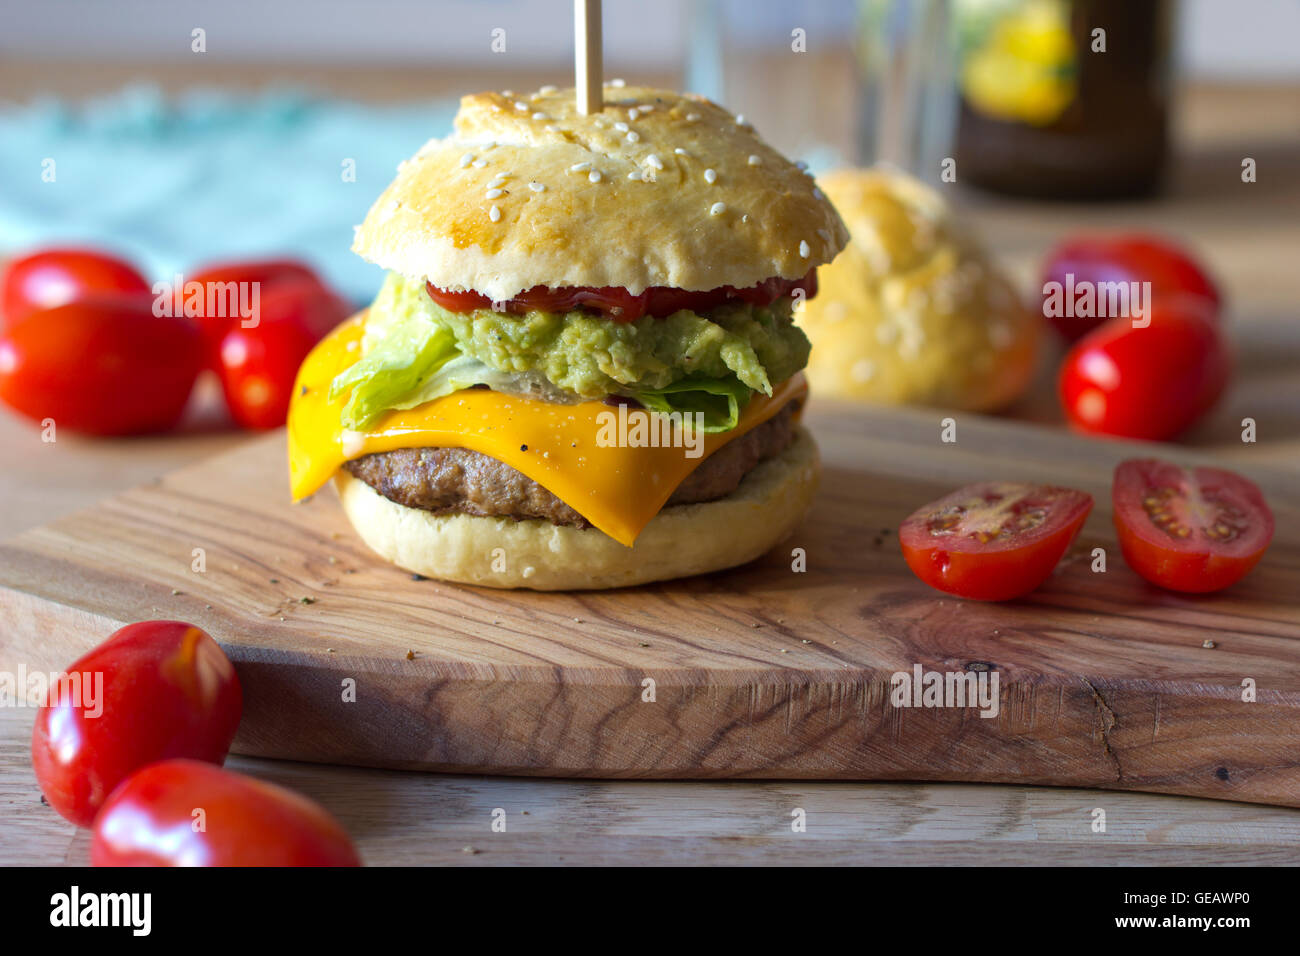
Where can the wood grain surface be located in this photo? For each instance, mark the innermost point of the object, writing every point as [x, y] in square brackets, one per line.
[436, 819]
[758, 672]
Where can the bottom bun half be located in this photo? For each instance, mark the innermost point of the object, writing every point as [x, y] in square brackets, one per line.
[680, 541]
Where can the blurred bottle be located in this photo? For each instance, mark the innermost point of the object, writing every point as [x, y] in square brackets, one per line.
[1062, 98]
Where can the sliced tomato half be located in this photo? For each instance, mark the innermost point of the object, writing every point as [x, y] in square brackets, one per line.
[993, 541]
[1189, 529]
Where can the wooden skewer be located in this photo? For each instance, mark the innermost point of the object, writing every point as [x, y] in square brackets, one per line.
[587, 67]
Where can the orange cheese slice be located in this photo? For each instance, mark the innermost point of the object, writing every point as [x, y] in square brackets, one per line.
[616, 487]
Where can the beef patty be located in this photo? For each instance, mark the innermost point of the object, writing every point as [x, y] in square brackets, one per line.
[460, 481]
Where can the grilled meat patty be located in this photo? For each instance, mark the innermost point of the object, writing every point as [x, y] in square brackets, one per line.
[457, 480]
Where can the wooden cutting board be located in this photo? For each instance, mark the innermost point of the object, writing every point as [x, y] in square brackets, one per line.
[758, 672]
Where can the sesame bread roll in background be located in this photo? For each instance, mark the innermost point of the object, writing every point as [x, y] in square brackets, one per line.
[914, 311]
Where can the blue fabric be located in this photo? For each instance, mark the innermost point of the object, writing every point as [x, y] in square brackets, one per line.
[172, 183]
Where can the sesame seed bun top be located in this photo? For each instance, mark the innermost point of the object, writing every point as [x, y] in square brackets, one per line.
[658, 189]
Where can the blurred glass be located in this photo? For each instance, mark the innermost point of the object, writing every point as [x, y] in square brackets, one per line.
[907, 105]
[787, 65]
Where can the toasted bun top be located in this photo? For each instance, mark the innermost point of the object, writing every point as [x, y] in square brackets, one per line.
[658, 189]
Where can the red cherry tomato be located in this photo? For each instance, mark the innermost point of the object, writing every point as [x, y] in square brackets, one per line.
[1129, 258]
[1150, 383]
[620, 305]
[258, 364]
[54, 277]
[153, 690]
[1185, 529]
[265, 273]
[993, 541]
[104, 366]
[186, 813]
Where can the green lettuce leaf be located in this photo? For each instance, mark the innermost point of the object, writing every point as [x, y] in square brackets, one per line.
[720, 400]
[400, 363]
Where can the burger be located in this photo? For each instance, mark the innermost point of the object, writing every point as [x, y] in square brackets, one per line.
[582, 369]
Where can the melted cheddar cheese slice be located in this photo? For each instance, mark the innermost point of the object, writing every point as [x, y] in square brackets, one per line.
[617, 488]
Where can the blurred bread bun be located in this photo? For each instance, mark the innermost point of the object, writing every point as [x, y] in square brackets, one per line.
[914, 311]
[657, 189]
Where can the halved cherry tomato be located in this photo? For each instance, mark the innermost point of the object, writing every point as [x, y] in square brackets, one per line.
[186, 813]
[1151, 383]
[105, 366]
[258, 364]
[620, 305]
[1194, 530]
[153, 690]
[54, 277]
[263, 273]
[1126, 258]
[993, 541]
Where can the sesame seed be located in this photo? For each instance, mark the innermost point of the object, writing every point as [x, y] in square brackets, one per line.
[540, 116]
[521, 107]
[631, 114]
[710, 176]
[479, 163]
[593, 176]
[579, 167]
[633, 136]
[681, 152]
[621, 126]
[548, 89]
[494, 214]
[801, 166]
[617, 82]
[805, 250]
[655, 161]
[537, 187]
[497, 180]
[495, 193]
[692, 117]
[717, 209]
[466, 160]
[634, 174]
[740, 119]
[754, 160]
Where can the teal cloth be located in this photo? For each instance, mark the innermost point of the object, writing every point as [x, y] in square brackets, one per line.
[172, 183]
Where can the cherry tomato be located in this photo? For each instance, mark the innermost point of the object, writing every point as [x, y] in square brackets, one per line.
[1126, 258]
[993, 541]
[1186, 529]
[265, 273]
[54, 277]
[1150, 383]
[186, 813]
[153, 690]
[104, 366]
[258, 364]
[620, 305]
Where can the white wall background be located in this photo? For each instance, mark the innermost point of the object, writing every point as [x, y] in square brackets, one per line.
[1247, 39]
